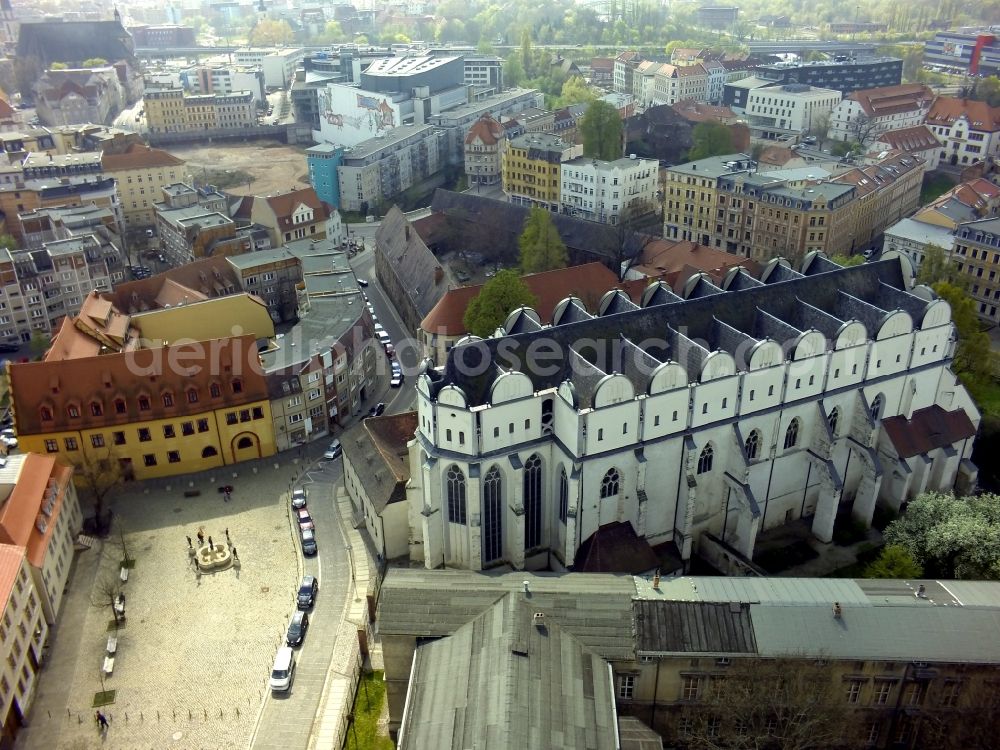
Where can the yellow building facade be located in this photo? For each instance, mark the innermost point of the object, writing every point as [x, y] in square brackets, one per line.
[141, 173]
[531, 168]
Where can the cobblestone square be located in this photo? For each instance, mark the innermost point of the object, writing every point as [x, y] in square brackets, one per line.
[194, 655]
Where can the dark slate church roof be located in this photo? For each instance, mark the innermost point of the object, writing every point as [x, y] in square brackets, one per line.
[688, 330]
[72, 42]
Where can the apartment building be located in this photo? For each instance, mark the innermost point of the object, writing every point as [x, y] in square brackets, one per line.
[919, 141]
[23, 196]
[380, 168]
[870, 112]
[976, 253]
[644, 81]
[141, 173]
[969, 131]
[37, 166]
[171, 111]
[278, 65]
[68, 97]
[24, 636]
[783, 112]
[190, 224]
[531, 167]
[108, 388]
[219, 79]
[484, 146]
[295, 215]
[274, 276]
[324, 159]
[624, 71]
[675, 83]
[40, 512]
[607, 191]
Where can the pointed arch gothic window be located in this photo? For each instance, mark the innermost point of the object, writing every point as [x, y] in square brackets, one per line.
[792, 433]
[455, 490]
[532, 502]
[752, 445]
[610, 483]
[705, 459]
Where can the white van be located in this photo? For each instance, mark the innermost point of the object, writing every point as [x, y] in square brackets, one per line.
[283, 669]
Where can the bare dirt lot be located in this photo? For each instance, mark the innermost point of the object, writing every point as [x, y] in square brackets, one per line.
[269, 166]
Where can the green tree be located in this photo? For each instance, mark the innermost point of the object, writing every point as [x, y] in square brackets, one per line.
[988, 90]
[498, 297]
[269, 32]
[58, 66]
[848, 260]
[936, 267]
[542, 249]
[710, 139]
[95, 62]
[895, 561]
[951, 537]
[973, 358]
[331, 34]
[527, 60]
[8, 242]
[513, 71]
[601, 129]
[576, 91]
[39, 343]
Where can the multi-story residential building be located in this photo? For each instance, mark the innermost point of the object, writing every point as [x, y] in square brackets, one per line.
[108, 388]
[171, 111]
[278, 65]
[295, 215]
[973, 52]
[226, 80]
[41, 513]
[25, 635]
[36, 166]
[324, 159]
[877, 690]
[976, 254]
[912, 238]
[969, 131]
[844, 76]
[608, 191]
[969, 201]
[704, 435]
[530, 167]
[674, 83]
[624, 71]
[868, 113]
[378, 169]
[22, 196]
[193, 232]
[141, 173]
[918, 140]
[718, 74]
[484, 146]
[724, 202]
[780, 112]
[66, 97]
[273, 275]
[644, 81]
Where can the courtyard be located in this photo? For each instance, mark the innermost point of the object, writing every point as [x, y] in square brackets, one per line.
[195, 652]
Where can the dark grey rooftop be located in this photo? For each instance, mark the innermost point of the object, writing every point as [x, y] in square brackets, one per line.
[693, 627]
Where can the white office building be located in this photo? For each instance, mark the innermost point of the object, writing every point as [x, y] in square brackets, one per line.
[605, 190]
[774, 112]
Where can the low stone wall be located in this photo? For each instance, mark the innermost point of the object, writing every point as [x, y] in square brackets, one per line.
[726, 559]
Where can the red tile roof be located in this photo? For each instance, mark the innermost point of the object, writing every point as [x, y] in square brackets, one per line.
[284, 206]
[10, 565]
[927, 429]
[588, 282]
[23, 506]
[777, 156]
[887, 100]
[981, 116]
[917, 138]
[487, 130]
[139, 156]
[694, 111]
[667, 256]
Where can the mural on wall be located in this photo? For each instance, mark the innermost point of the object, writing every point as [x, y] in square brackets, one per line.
[350, 116]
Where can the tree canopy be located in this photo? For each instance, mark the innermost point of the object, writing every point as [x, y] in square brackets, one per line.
[951, 537]
[710, 139]
[895, 561]
[973, 358]
[269, 32]
[936, 267]
[848, 260]
[601, 129]
[576, 91]
[95, 62]
[499, 296]
[542, 249]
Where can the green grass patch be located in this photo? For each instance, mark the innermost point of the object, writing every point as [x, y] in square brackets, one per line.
[103, 698]
[986, 394]
[368, 702]
[935, 184]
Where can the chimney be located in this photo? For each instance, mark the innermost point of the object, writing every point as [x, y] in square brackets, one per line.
[837, 611]
[656, 580]
[526, 589]
[438, 274]
[538, 619]
[407, 232]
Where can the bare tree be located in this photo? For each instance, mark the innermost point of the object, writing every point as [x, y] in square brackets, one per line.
[779, 704]
[99, 475]
[624, 244]
[106, 593]
[966, 719]
[819, 126]
[863, 128]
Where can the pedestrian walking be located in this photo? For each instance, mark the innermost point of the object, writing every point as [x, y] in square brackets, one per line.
[228, 494]
[235, 556]
[210, 542]
[201, 537]
[102, 720]
[189, 543]
[227, 534]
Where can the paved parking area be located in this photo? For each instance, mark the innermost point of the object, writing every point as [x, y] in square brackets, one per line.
[194, 656]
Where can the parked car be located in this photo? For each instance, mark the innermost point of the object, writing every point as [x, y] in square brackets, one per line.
[390, 350]
[304, 519]
[8, 438]
[383, 338]
[396, 381]
[283, 670]
[9, 347]
[379, 330]
[297, 629]
[308, 539]
[308, 589]
[333, 451]
[362, 282]
[298, 498]
[377, 410]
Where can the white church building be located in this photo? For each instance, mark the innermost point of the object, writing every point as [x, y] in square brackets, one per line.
[702, 416]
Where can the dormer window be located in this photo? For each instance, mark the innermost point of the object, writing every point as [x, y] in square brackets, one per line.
[74, 411]
[120, 406]
[192, 396]
[237, 386]
[215, 390]
[168, 399]
[143, 403]
[45, 413]
[96, 409]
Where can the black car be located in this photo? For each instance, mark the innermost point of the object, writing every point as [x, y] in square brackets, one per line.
[297, 629]
[8, 347]
[307, 592]
[362, 282]
[377, 410]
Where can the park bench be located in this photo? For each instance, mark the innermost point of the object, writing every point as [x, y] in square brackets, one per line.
[109, 665]
[112, 644]
[124, 575]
